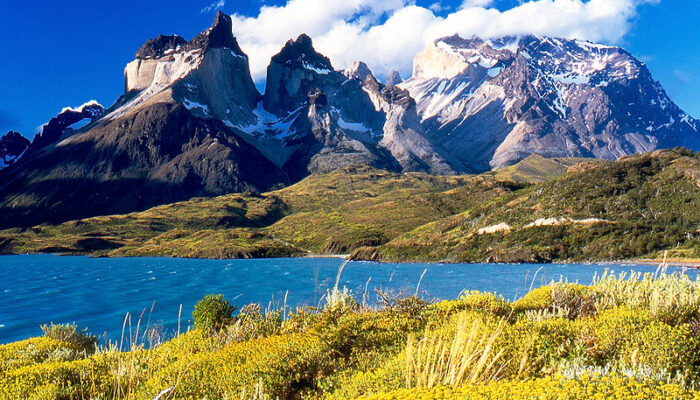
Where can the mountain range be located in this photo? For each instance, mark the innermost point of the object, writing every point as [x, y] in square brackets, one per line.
[191, 121]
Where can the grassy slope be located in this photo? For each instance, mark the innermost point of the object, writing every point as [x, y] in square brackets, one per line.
[535, 169]
[647, 203]
[651, 201]
[247, 225]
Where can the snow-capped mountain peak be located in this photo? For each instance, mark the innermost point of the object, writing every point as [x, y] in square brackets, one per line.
[553, 96]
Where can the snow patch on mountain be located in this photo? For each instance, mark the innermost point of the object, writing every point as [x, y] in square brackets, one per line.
[322, 71]
[352, 126]
[269, 124]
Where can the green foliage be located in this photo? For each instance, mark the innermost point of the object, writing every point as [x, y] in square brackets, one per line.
[212, 313]
[70, 334]
[635, 207]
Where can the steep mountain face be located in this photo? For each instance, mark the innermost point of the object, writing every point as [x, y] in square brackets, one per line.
[315, 119]
[12, 146]
[493, 103]
[208, 75]
[166, 139]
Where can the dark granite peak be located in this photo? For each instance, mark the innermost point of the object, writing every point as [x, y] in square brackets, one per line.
[393, 78]
[302, 50]
[12, 146]
[220, 35]
[155, 48]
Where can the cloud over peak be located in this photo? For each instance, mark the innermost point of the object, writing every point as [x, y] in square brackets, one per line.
[387, 34]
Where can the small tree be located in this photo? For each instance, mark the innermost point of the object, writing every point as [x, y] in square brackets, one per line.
[212, 312]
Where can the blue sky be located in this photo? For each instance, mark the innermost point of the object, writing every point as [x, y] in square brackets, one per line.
[59, 53]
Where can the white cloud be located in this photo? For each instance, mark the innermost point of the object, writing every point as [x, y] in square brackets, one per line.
[213, 6]
[476, 3]
[683, 76]
[438, 7]
[387, 34]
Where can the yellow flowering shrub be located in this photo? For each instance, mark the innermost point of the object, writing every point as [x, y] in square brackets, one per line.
[661, 347]
[611, 331]
[548, 389]
[533, 348]
[537, 299]
[618, 339]
[28, 352]
[280, 365]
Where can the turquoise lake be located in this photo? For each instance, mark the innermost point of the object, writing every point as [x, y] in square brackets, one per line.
[97, 293]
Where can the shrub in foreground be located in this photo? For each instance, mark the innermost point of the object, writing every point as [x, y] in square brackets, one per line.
[213, 313]
[70, 334]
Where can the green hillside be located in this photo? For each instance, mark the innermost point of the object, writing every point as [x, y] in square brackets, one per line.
[634, 207]
[532, 211]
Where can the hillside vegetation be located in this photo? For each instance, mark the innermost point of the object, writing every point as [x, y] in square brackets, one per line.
[634, 207]
[536, 211]
[622, 337]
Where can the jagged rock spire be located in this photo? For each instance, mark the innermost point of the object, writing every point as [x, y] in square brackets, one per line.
[220, 35]
[154, 48]
[358, 70]
[302, 50]
[393, 78]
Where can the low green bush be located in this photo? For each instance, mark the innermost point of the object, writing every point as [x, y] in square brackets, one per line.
[213, 313]
[70, 334]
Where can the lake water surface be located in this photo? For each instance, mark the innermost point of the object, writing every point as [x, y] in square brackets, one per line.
[97, 293]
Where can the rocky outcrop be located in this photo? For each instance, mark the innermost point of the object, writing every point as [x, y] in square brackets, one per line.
[12, 147]
[218, 36]
[358, 70]
[160, 46]
[209, 75]
[393, 78]
[407, 141]
[68, 121]
[293, 72]
[365, 122]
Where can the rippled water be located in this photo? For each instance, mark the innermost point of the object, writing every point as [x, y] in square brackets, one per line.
[98, 292]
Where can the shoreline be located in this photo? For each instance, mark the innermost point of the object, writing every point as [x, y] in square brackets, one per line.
[671, 262]
[689, 263]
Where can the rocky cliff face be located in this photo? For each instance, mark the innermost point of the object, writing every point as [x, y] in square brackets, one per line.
[493, 103]
[67, 122]
[168, 138]
[319, 119]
